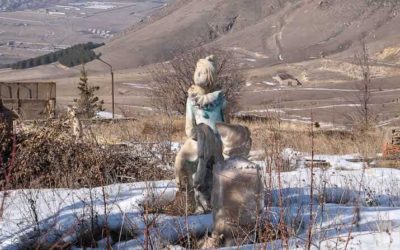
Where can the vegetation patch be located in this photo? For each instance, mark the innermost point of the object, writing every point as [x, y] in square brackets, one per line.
[50, 157]
[70, 57]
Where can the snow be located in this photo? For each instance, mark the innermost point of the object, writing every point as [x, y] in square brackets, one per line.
[107, 115]
[346, 185]
[137, 85]
[250, 59]
[269, 83]
[99, 5]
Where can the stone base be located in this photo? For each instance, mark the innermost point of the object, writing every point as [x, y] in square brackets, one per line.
[237, 199]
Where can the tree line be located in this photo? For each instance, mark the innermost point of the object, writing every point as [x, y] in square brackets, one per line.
[70, 57]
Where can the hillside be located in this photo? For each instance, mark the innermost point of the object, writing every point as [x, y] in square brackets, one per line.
[269, 31]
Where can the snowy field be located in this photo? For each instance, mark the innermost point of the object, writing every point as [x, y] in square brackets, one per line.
[355, 208]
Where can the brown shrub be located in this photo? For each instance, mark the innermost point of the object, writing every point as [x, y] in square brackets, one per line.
[51, 157]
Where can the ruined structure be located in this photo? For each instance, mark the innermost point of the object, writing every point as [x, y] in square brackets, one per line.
[7, 118]
[287, 80]
[31, 100]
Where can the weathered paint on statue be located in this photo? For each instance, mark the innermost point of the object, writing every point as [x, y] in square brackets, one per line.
[202, 106]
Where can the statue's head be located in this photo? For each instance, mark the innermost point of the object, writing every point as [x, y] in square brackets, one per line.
[205, 72]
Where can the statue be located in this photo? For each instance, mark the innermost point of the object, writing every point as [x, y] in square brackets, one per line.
[203, 148]
[212, 165]
[210, 136]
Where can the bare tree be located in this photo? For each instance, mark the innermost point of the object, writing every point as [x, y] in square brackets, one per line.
[172, 79]
[363, 117]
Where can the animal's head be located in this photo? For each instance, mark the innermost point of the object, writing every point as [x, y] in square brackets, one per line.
[205, 72]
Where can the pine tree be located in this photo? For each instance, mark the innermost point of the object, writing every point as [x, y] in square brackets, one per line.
[87, 104]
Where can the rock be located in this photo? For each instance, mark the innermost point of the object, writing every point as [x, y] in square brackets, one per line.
[237, 198]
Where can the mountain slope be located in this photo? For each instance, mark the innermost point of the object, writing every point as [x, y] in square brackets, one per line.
[279, 31]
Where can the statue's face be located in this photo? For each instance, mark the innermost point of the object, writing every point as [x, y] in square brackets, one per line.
[201, 77]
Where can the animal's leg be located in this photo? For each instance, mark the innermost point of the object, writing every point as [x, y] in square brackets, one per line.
[203, 191]
[185, 162]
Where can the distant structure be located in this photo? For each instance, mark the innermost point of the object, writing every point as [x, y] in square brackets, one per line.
[30, 100]
[7, 118]
[75, 123]
[287, 79]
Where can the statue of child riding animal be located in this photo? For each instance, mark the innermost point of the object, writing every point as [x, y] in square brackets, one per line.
[206, 121]
[212, 165]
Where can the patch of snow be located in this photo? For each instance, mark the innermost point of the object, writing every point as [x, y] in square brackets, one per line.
[99, 5]
[175, 146]
[107, 115]
[269, 83]
[137, 85]
[250, 60]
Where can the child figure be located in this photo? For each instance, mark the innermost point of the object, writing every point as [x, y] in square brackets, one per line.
[201, 107]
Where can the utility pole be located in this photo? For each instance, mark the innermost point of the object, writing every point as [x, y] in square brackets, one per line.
[112, 85]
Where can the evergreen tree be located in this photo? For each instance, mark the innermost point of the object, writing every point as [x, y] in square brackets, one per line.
[72, 56]
[87, 104]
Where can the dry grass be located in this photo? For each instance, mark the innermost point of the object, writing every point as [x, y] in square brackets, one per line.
[142, 129]
[177, 207]
[297, 137]
[294, 135]
[386, 163]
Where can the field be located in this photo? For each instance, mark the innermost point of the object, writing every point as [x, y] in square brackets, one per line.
[31, 32]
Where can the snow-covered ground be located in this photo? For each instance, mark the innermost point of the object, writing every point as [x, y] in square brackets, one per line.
[353, 205]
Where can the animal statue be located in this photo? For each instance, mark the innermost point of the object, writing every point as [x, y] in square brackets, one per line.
[237, 201]
[236, 140]
[75, 123]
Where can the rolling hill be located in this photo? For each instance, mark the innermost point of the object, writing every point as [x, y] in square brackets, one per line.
[269, 31]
